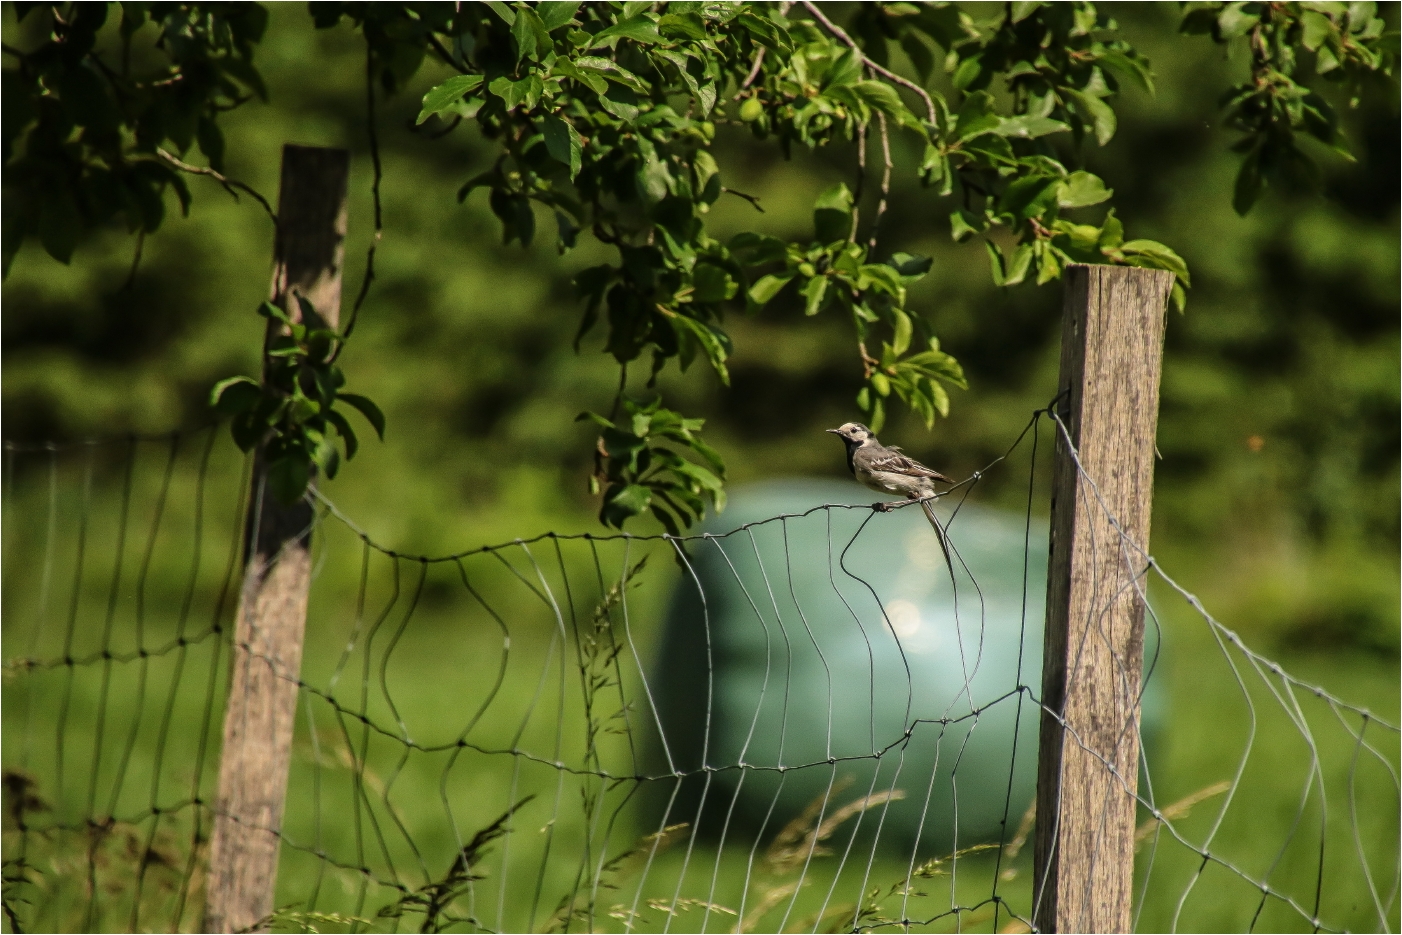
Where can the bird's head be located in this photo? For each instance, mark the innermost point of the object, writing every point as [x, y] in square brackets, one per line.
[853, 433]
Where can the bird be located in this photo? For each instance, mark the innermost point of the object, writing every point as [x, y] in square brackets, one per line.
[887, 470]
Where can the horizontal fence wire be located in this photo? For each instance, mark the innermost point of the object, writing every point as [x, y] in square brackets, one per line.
[812, 719]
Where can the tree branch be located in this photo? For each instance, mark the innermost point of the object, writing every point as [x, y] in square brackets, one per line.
[886, 73]
[860, 185]
[444, 54]
[885, 182]
[228, 183]
[752, 199]
[754, 73]
[374, 136]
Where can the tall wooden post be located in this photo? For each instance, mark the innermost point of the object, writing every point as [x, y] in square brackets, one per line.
[258, 721]
[1087, 772]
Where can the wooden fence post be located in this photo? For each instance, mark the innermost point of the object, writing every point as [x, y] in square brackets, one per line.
[258, 720]
[1087, 771]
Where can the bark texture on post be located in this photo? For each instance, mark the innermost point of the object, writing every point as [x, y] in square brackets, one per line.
[258, 720]
[1087, 775]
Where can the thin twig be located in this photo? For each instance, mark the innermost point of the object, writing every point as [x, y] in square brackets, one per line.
[135, 261]
[885, 183]
[443, 53]
[841, 33]
[861, 185]
[439, 134]
[374, 136]
[228, 183]
[752, 199]
[754, 73]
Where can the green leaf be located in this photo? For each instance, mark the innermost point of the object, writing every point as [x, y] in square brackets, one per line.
[814, 293]
[1179, 296]
[595, 418]
[638, 28]
[910, 265]
[976, 116]
[1235, 20]
[345, 431]
[326, 457]
[563, 67]
[1028, 126]
[512, 93]
[768, 287]
[530, 34]
[564, 143]
[1162, 257]
[963, 225]
[714, 342]
[1131, 66]
[235, 395]
[503, 10]
[269, 310]
[1080, 189]
[556, 14]
[368, 409]
[622, 502]
[1018, 266]
[832, 214]
[1030, 195]
[884, 98]
[611, 70]
[995, 263]
[969, 72]
[1022, 9]
[901, 327]
[1112, 232]
[1100, 114]
[682, 26]
[755, 249]
[713, 284]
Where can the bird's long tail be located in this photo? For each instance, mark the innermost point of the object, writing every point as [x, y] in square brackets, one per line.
[940, 534]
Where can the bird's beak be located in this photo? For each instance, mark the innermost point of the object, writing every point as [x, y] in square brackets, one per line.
[834, 431]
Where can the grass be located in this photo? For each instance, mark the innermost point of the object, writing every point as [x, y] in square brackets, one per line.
[440, 697]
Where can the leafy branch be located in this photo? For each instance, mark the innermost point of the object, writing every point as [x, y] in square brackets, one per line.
[1348, 43]
[87, 140]
[638, 471]
[293, 412]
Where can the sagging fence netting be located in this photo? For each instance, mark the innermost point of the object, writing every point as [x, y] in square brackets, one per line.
[801, 718]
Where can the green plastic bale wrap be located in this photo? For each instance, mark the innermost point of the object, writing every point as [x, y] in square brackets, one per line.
[832, 651]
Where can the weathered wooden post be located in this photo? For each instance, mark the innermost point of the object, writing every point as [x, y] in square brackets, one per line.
[1087, 774]
[258, 721]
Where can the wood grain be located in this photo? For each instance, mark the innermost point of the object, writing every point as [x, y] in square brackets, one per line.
[267, 659]
[1111, 353]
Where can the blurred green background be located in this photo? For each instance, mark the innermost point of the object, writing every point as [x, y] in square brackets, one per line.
[1277, 496]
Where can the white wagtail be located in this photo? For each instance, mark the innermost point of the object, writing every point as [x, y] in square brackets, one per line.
[886, 470]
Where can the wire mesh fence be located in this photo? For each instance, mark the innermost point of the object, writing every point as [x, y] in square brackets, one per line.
[814, 719]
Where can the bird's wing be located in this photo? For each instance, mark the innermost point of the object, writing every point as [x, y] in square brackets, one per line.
[890, 461]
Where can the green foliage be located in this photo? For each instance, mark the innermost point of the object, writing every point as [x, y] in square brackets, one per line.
[606, 116]
[637, 471]
[292, 414]
[1345, 43]
[85, 139]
